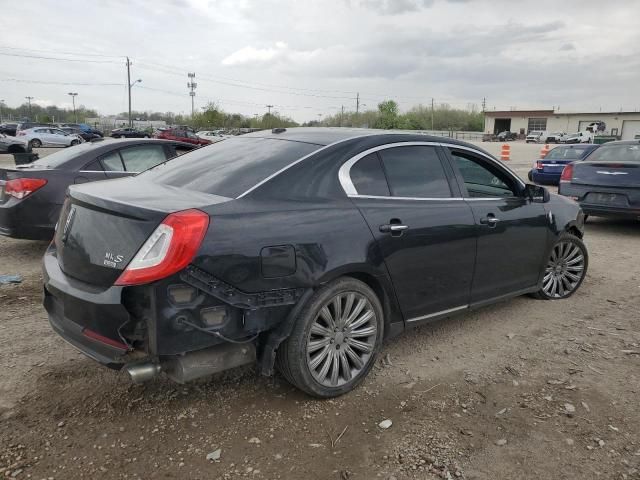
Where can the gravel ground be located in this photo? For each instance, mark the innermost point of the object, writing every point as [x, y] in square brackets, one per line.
[523, 389]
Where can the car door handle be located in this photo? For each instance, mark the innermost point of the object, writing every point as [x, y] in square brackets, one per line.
[490, 220]
[394, 227]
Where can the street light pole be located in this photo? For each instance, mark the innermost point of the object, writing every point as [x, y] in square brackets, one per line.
[29, 100]
[129, 86]
[1, 104]
[73, 99]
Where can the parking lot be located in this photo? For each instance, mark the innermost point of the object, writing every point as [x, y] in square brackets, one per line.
[521, 389]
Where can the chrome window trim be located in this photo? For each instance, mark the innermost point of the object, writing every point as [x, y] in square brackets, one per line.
[389, 197]
[436, 314]
[344, 174]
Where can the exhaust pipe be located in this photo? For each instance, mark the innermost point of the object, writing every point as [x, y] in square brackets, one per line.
[202, 363]
[142, 372]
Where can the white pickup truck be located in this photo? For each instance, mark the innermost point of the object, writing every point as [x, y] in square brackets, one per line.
[579, 137]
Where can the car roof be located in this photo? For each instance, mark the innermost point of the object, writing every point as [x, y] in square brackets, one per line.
[327, 135]
[621, 142]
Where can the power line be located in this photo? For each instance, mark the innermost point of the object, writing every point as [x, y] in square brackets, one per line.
[56, 58]
[82, 54]
[22, 80]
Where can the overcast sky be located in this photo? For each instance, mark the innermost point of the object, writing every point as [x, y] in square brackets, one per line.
[311, 57]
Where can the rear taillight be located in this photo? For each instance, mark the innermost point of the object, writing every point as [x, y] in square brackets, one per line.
[539, 165]
[567, 173]
[169, 249]
[22, 187]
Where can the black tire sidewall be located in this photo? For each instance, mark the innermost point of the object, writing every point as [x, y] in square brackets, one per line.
[565, 237]
[295, 357]
[35, 143]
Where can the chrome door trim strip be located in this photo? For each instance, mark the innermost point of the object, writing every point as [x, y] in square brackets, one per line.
[381, 197]
[437, 314]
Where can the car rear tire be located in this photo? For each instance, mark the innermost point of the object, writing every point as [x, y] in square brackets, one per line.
[74, 142]
[565, 269]
[335, 340]
[530, 176]
[35, 143]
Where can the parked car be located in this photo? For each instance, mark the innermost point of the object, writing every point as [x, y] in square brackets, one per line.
[86, 136]
[547, 170]
[556, 137]
[127, 132]
[607, 183]
[536, 136]
[49, 137]
[507, 136]
[182, 135]
[9, 144]
[305, 246]
[31, 195]
[579, 137]
[30, 125]
[8, 129]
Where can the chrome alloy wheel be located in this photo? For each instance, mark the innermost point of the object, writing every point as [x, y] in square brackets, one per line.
[341, 339]
[564, 271]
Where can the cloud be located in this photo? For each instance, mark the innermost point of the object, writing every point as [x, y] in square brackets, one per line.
[249, 54]
[567, 47]
[392, 7]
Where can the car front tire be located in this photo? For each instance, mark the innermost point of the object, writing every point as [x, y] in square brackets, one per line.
[35, 143]
[565, 269]
[335, 340]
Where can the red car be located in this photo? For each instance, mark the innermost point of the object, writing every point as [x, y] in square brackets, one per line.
[181, 135]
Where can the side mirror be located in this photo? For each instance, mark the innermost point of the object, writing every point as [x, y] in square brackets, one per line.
[536, 193]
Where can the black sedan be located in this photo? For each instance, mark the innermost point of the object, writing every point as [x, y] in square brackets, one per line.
[32, 195]
[86, 136]
[129, 133]
[9, 129]
[303, 246]
[607, 183]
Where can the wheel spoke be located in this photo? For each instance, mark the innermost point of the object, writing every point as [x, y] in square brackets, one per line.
[347, 308]
[577, 260]
[572, 276]
[322, 374]
[317, 360]
[316, 345]
[346, 368]
[354, 357]
[363, 332]
[572, 253]
[317, 329]
[362, 346]
[368, 315]
[337, 310]
[327, 317]
[335, 368]
[356, 311]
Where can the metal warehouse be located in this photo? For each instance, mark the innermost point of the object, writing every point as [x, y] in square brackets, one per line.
[625, 125]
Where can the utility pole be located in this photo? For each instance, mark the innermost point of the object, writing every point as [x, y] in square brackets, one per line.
[129, 87]
[191, 85]
[1, 104]
[431, 113]
[269, 107]
[341, 114]
[29, 100]
[358, 102]
[73, 99]
[484, 118]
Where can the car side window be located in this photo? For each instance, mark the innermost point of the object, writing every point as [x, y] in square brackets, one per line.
[415, 171]
[368, 177]
[112, 162]
[94, 166]
[482, 179]
[143, 157]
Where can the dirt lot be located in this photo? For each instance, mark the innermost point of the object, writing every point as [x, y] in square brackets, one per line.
[524, 389]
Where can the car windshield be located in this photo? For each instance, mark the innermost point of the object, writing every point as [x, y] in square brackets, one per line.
[617, 153]
[566, 153]
[230, 167]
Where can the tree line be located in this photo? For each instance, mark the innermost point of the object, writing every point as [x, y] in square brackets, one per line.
[386, 116]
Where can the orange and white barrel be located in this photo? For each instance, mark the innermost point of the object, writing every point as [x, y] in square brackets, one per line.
[544, 150]
[505, 153]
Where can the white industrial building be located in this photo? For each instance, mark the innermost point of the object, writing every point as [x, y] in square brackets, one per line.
[625, 125]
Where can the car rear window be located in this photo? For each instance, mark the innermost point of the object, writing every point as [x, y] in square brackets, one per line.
[566, 153]
[58, 159]
[230, 167]
[617, 153]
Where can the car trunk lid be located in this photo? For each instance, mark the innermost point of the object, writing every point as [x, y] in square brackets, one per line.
[607, 174]
[103, 225]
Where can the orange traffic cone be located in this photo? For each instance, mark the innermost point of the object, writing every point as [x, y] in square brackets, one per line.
[544, 151]
[505, 153]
